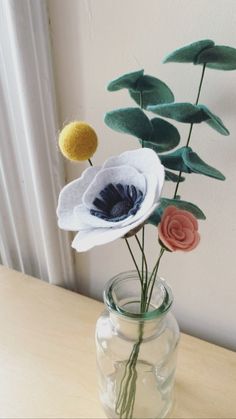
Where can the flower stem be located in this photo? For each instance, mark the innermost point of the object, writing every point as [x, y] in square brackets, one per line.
[152, 279]
[144, 277]
[143, 251]
[143, 255]
[135, 263]
[127, 392]
[191, 127]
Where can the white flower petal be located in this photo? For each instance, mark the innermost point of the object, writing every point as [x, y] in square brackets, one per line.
[87, 239]
[71, 196]
[141, 168]
[144, 160]
[126, 175]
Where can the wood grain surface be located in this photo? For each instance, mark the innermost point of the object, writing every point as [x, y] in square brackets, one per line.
[47, 358]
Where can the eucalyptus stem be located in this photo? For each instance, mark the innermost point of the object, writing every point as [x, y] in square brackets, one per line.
[191, 126]
[200, 84]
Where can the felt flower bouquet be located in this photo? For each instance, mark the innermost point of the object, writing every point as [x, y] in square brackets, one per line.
[118, 198]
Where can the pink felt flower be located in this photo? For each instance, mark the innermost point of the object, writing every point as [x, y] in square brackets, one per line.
[178, 229]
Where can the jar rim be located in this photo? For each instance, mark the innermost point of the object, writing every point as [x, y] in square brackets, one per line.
[112, 306]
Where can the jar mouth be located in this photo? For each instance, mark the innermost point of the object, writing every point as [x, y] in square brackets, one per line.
[121, 304]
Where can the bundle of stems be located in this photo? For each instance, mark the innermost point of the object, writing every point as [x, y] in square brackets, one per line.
[127, 388]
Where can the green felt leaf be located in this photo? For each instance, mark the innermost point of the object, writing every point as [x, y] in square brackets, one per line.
[219, 57]
[186, 160]
[188, 53]
[131, 121]
[164, 136]
[180, 111]
[175, 161]
[169, 176]
[197, 165]
[152, 146]
[127, 81]
[214, 121]
[184, 205]
[155, 217]
[192, 114]
[149, 90]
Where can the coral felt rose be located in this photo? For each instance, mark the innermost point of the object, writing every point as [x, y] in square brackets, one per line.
[106, 202]
[178, 229]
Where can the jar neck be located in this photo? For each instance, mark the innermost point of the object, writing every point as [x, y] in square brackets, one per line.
[122, 297]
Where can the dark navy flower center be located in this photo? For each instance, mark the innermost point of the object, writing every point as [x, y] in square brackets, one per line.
[116, 202]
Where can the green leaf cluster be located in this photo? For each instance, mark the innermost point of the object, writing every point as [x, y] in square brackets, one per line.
[218, 57]
[186, 160]
[152, 94]
[190, 114]
[155, 133]
[145, 90]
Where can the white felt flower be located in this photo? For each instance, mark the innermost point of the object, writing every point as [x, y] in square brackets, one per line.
[106, 202]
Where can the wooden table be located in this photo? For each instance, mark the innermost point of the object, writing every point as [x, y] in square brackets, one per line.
[47, 358]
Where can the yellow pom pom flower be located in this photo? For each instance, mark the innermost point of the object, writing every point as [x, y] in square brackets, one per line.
[78, 141]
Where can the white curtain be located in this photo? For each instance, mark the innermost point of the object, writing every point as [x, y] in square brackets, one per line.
[31, 168]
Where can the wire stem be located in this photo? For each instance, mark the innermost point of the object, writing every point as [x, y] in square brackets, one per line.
[200, 84]
[153, 276]
[191, 127]
[144, 277]
[135, 263]
[143, 251]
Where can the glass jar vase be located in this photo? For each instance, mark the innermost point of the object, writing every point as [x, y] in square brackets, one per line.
[136, 352]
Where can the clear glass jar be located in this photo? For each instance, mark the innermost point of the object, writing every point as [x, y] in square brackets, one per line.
[136, 353]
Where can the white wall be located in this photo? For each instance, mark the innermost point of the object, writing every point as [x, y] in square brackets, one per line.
[96, 41]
